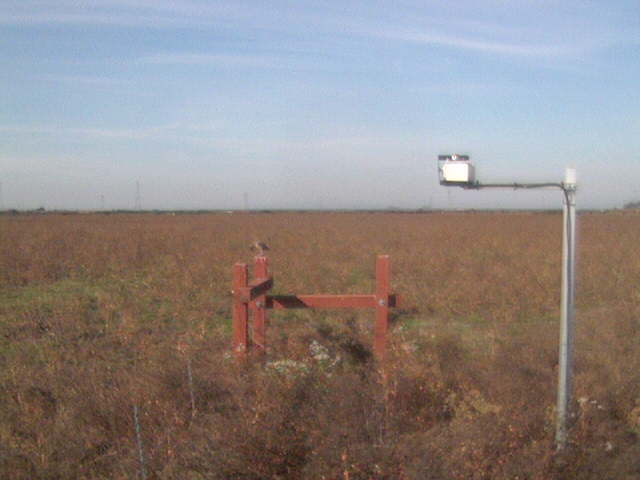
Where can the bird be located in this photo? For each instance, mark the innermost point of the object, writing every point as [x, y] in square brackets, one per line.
[259, 247]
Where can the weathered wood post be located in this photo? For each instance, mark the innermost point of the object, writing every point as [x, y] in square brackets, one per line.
[240, 311]
[383, 273]
[259, 305]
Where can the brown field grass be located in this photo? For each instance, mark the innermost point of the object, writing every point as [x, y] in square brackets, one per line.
[99, 313]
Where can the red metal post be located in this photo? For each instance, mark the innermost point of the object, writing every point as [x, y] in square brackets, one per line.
[240, 311]
[259, 305]
[383, 274]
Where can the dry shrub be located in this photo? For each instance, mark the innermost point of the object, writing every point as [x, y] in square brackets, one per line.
[99, 314]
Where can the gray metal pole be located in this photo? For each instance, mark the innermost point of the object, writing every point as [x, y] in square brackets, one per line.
[143, 470]
[567, 308]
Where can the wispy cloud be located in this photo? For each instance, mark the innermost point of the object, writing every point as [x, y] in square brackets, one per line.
[89, 80]
[427, 24]
[482, 46]
[213, 136]
[284, 60]
[159, 132]
[129, 13]
[220, 59]
[105, 18]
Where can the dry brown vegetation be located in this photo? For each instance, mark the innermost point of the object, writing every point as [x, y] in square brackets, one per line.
[99, 313]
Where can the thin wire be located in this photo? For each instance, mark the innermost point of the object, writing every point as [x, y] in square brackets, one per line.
[143, 470]
[191, 394]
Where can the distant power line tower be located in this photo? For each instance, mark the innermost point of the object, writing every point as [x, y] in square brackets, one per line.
[138, 203]
[246, 201]
[101, 202]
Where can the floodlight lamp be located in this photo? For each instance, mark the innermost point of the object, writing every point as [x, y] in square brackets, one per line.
[455, 170]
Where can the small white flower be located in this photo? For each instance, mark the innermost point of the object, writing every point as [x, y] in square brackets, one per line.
[318, 352]
[288, 367]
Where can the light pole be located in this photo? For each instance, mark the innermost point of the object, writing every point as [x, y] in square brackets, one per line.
[457, 170]
[567, 307]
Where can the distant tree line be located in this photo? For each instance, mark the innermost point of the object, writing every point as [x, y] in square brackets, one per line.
[635, 204]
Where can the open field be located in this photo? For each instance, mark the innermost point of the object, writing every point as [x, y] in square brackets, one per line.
[101, 313]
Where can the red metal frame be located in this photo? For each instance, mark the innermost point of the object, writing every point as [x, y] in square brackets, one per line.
[252, 296]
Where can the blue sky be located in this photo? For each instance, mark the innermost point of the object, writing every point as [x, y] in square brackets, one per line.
[315, 104]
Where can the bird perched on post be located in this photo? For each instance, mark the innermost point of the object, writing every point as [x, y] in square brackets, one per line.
[259, 247]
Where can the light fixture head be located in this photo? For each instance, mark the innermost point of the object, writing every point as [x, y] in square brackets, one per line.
[455, 170]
